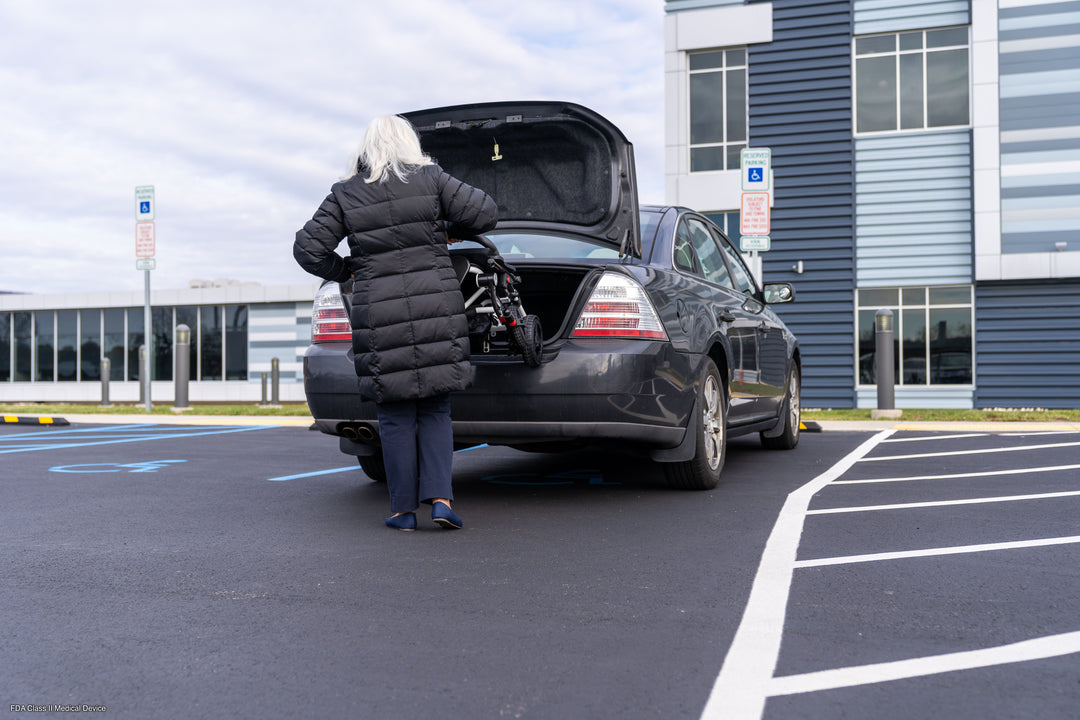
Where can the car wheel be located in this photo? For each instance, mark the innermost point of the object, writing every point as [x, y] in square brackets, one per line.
[702, 472]
[792, 410]
[373, 466]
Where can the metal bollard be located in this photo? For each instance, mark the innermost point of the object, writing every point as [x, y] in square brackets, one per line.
[884, 362]
[182, 353]
[275, 378]
[105, 382]
[263, 401]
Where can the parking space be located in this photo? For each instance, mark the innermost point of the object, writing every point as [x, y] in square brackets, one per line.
[926, 575]
[244, 570]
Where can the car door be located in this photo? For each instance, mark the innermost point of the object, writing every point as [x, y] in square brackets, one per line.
[770, 366]
[720, 306]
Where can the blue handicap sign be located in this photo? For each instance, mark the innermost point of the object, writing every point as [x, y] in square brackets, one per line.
[144, 207]
[755, 174]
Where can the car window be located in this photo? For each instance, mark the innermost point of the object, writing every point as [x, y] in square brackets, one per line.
[684, 250]
[708, 254]
[744, 283]
[537, 245]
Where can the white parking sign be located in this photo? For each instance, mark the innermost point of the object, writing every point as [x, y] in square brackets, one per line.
[756, 165]
[144, 203]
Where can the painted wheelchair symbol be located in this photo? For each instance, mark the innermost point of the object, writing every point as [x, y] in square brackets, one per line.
[137, 467]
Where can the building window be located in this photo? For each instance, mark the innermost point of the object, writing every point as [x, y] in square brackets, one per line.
[135, 332]
[236, 339]
[912, 80]
[210, 332]
[718, 116]
[161, 328]
[933, 334]
[114, 342]
[726, 221]
[90, 345]
[44, 345]
[24, 346]
[5, 347]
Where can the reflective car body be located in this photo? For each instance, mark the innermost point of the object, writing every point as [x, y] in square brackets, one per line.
[657, 339]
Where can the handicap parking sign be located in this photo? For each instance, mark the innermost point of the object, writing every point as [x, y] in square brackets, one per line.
[754, 175]
[757, 163]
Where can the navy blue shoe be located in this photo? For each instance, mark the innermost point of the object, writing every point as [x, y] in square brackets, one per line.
[444, 517]
[405, 521]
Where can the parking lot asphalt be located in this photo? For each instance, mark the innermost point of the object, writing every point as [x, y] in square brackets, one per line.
[238, 569]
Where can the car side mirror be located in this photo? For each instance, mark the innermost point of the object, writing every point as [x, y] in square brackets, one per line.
[778, 293]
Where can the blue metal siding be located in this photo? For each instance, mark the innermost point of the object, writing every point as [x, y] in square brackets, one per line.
[913, 209]
[1027, 341]
[1039, 80]
[881, 16]
[800, 106]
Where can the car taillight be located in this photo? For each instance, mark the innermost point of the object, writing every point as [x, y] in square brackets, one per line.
[329, 321]
[619, 308]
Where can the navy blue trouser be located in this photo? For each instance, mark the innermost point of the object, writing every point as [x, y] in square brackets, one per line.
[418, 450]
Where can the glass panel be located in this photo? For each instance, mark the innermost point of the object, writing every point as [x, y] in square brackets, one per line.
[704, 60]
[135, 339]
[43, 339]
[114, 342]
[950, 295]
[950, 347]
[878, 297]
[876, 93]
[712, 262]
[67, 341]
[947, 88]
[736, 107]
[914, 348]
[210, 342]
[911, 41]
[914, 296]
[743, 281]
[947, 37]
[876, 44]
[684, 250]
[90, 345]
[911, 91]
[736, 57]
[734, 156]
[707, 158]
[867, 348]
[161, 321]
[190, 316]
[706, 108]
[5, 347]
[236, 339]
[24, 342]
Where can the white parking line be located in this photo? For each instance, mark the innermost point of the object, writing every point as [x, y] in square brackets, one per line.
[972, 452]
[988, 473]
[924, 438]
[942, 503]
[742, 686]
[1036, 649]
[935, 552]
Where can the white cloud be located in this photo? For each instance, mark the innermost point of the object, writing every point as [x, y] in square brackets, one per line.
[242, 114]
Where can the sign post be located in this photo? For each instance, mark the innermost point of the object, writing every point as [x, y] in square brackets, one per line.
[756, 169]
[145, 249]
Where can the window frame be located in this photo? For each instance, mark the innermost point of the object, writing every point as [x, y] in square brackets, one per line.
[927, 306]
[896, 53]
[726, 145]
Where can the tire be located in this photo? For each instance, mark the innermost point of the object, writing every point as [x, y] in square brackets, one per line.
[373, 466]
[792, 409]
[529, 338]
[702, 472]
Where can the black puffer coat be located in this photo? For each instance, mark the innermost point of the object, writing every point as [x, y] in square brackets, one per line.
[410, 335]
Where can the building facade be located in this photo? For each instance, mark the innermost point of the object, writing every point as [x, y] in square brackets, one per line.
[53, 347]
[925, 159]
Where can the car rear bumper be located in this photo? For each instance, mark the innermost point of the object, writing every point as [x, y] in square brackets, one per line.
[596, 390]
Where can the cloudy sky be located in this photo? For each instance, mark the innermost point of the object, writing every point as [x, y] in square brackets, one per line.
[242, 113]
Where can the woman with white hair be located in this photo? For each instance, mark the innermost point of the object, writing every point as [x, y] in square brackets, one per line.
[409, 331]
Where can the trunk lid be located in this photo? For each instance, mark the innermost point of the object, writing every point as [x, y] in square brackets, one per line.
[553, 166]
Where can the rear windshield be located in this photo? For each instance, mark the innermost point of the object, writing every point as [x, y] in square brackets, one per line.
[545, 245]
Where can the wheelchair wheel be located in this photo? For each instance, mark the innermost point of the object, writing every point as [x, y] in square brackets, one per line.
[529, 338]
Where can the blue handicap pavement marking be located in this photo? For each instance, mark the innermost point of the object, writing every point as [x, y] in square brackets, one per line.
[136, 467]
[88, 437]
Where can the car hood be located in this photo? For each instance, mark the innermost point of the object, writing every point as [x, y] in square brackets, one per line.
[549, 165]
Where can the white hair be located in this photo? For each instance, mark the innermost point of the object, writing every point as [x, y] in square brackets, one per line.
[390, 144]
